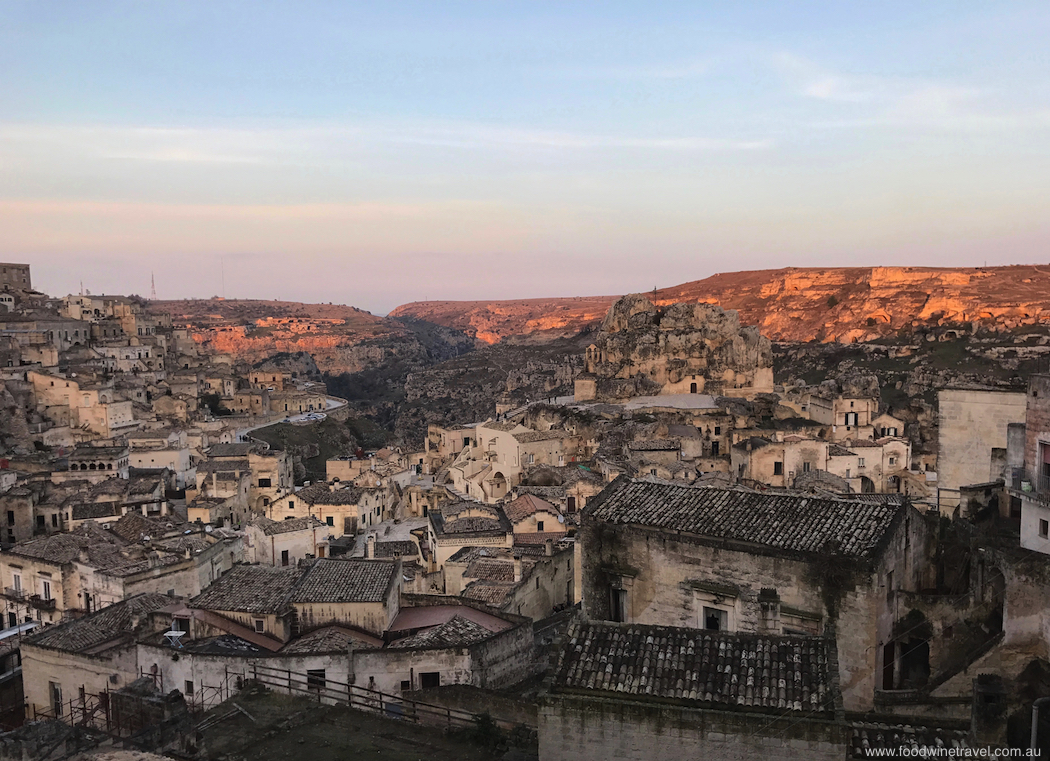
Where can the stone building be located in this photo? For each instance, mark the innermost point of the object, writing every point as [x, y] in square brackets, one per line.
[740, 561]
[972, 437]
[640, 693]
[283, 543]
[15, 277]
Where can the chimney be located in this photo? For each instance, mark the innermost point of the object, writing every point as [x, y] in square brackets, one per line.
[517, 568]
[548, 547]
[370, 546]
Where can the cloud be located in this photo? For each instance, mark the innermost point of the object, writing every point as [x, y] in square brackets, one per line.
[903, 102]
[317, 144]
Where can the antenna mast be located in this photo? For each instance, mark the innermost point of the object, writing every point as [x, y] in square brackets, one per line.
[152, 287]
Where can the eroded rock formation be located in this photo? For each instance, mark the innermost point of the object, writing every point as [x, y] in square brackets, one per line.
[643, 349]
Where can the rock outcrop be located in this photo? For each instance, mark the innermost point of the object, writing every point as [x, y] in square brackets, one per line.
[643, 349]
[835, 304]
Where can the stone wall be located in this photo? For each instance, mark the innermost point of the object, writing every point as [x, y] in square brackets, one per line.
[970, 424]
[588, 729]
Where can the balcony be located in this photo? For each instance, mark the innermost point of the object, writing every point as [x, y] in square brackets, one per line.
[1029, 483]
[14, 594]
[41, 603]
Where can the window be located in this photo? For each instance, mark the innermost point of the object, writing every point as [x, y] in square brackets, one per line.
[189, 687]
[718, 430]
[778, 469]
[714, 449]
[430, 679]
[893, 461]
[1044, 528]
[284, 557]
[16, 579]
[259, 625]
[55, 690]
[618, 605]
[54, 520]
[806, 467]
[315, 679]
[10, 517]
[180, 625]
[539, 525]
[40, 522]
[264, 483]
[45, 590]
[860, 462]
[716, 619]
[291, 504]
[405, 685]
[330, 520]
[851, 418]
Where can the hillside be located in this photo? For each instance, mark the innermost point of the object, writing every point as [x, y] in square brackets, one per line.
[341, 339]
[843, 304]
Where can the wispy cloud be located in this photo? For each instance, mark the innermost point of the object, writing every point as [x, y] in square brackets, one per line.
[903, 102]
[319, 143]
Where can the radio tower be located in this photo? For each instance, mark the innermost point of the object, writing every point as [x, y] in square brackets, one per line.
[152, 287]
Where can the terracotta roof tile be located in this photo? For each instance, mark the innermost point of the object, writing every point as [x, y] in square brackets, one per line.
[693, 665]
[789, 522]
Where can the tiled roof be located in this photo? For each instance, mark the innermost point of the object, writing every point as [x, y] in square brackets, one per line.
[230, 450]
[747, 670]
[526, 505]
[492, 593]
[490, 570]
[505, 426]
[95, 510]
[786, 522]
[528, 436]
[215, 466]
[654, 445]
[330, 639]
[305, 523]
[868, 736]
[538, 537]
[99, 628]
[320, 494]
[355, 580]
[456, 632]
[133, 526]
[543, 491]
[249, 589]
[398, 548]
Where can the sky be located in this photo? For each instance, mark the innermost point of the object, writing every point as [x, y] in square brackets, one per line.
[379, 153]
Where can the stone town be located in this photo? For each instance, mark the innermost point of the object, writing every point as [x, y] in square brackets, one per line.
[679, 559]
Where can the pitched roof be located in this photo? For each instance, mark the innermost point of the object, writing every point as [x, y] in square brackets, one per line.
[320, 494]
[96, 629]
[654, 445]
[456, 632]
[752, 671]
[526, 505]
[351, 580]
[788, 522]
[249, 589]
[230, 450]
[396, 548]
[492, 593]
[330, 639]
[306, 523]
[490, 570]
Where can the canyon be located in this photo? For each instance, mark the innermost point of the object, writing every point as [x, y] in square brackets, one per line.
[834, 304]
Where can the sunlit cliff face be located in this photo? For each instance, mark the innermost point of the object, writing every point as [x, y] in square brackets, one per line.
[827, 304]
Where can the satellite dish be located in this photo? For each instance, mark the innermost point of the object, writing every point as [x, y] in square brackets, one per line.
[561, 519]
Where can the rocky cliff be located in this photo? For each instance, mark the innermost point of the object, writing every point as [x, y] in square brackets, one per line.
[840, 304]
[341, 339]
[679, 348]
